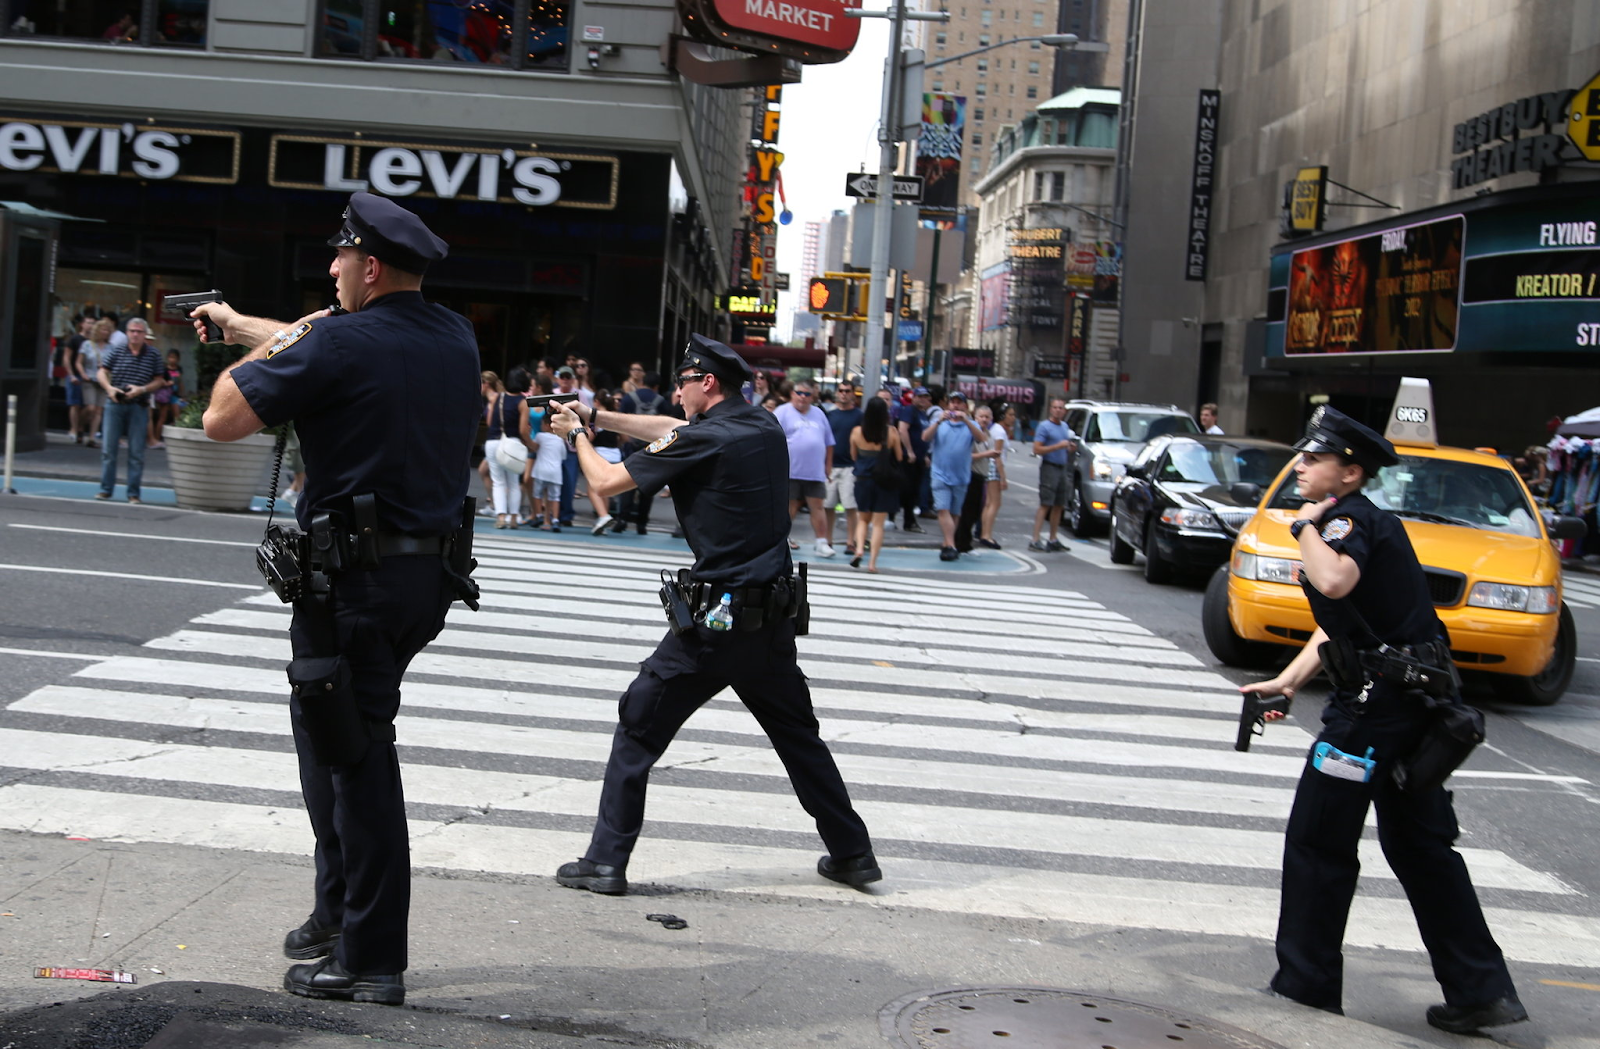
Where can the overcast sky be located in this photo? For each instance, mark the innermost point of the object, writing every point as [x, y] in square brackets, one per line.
[828, 130]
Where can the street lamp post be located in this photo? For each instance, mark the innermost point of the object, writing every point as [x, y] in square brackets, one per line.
[874, 356]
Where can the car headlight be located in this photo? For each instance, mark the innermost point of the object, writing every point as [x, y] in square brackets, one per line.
[1182, 518]
[1266, 569]
[1102, 470]
[1539, 600]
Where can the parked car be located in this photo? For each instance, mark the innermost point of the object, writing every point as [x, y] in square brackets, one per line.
[1183, 499]
[1110, 434]
[1485, 549]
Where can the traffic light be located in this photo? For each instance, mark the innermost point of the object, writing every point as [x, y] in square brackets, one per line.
[829, 295]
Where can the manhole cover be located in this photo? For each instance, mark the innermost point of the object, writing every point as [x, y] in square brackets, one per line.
[1049, 1018]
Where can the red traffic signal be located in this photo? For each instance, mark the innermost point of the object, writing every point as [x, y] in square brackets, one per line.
[829, 295]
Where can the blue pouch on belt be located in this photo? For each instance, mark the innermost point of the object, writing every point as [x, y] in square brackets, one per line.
[1331, 761]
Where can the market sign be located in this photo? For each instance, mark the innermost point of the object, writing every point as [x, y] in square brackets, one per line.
[1532, 134]
[812, 31]
[155, 152]
[537, 178]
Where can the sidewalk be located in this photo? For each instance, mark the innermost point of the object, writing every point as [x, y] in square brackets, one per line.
[502, 962]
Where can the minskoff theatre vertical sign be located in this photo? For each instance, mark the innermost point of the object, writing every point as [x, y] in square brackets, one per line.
[1200, 195]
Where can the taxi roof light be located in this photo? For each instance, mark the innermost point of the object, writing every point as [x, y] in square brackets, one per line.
[1411, 420]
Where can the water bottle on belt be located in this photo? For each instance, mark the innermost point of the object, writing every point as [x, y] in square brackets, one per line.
[721, 617]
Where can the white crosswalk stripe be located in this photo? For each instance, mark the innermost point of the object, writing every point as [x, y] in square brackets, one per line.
[1580, 590]
[1018, 752]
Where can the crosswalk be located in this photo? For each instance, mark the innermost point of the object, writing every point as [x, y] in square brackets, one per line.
[1580, 590]
[1015, 751]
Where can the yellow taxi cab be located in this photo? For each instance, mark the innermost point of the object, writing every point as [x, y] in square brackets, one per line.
[1487, 553]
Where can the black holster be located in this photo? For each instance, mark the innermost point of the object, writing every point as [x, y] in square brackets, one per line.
[1454, 730]
[1342, 661]
[328, 710]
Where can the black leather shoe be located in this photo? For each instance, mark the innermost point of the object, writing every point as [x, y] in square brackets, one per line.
[1473, 1018]
[856, 872]
[328, 979]
[596, 877]
[311, 940]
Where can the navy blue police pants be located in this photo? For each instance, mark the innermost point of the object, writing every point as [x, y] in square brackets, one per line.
[363, 884]
[678, 679]
[1417, 833]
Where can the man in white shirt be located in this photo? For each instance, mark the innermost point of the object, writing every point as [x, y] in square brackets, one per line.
[1208, 419]
[810, 459]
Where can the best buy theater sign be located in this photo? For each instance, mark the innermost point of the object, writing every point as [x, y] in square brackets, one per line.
[1535, 133]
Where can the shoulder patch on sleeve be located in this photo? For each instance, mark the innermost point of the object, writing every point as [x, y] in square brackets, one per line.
[294, 336]
[1337, 529]
[663, 442]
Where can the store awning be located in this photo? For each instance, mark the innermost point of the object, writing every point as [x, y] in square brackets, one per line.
[757, 354]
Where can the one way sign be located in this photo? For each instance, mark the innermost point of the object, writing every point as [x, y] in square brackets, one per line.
[906, 187]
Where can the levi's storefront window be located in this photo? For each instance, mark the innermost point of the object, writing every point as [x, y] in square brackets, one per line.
[178, 23]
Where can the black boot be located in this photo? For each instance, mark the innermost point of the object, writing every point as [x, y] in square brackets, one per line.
[328, 979]
[596, 877]
[1472, 1019]
[857, 871]
[311, 940]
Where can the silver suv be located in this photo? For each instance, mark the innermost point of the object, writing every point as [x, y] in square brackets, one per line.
[1110, 434]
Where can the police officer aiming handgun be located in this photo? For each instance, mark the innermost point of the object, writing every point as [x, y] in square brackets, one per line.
[1371, 603]
[728, 467]
[386, 404]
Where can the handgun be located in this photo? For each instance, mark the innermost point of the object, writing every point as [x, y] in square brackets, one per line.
[1251, 719]
[542, 401]
[187, 303]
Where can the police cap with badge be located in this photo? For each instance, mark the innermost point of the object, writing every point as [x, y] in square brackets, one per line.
[715, 358]
[389, 233]
[1330, 430]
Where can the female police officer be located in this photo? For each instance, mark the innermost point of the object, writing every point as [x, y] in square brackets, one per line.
[386, 404]
[728, 466]
[1366, 587]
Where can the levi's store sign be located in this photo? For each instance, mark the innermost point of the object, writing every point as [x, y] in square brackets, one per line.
[537, 178]
[155, 152]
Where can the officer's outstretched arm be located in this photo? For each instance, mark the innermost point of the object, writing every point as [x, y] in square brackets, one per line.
[639, 427]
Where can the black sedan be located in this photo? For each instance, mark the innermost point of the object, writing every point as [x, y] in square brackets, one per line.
[1185, 497]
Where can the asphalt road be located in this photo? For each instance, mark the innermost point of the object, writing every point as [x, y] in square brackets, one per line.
[80, 578]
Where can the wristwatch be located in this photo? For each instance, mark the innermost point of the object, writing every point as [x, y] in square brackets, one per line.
[1296, 527]
[572, 437]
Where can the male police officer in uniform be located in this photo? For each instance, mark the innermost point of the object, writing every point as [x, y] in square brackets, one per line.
[728, 466]
[385, 401]
[1366, 588]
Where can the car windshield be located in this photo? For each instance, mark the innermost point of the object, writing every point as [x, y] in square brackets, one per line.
[1223, 463]
[1442, 491]
[1136, 427]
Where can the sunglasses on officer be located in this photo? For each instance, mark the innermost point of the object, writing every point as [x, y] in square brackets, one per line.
[684, 380]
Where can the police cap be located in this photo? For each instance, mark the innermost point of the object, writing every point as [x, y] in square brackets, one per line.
[1330, 430]
[389, 233]
[709, 355]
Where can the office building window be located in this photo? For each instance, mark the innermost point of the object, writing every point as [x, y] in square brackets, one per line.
[985, 17]
[939, 39]
[176, 23]
[1038, 18]
[1034, 46]
[1058, 185]
[983, 65]
[981, 90]
[938, 85]
[1033, 92]
[1033, 68]
[977, 114]
[983, 39]
[482, 33]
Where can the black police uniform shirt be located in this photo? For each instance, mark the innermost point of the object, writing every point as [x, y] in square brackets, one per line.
[729, 472]
[1392, 593]
[385, 400]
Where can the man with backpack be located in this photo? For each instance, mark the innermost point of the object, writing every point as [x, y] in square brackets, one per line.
[645, 399]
